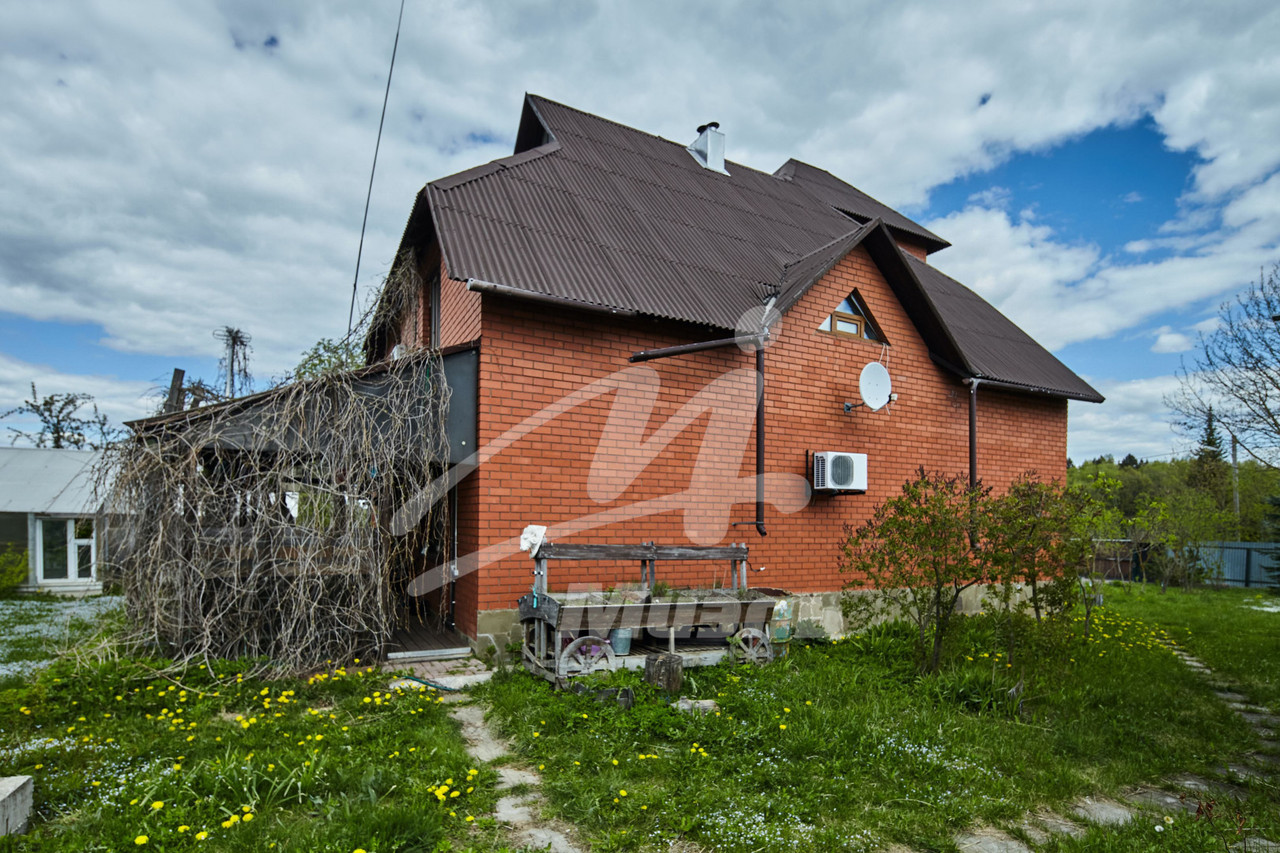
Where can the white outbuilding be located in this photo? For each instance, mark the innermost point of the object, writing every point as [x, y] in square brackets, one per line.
[48, 509]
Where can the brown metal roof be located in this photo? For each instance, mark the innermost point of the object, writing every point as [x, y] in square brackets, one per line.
[991, 346]
[591, 212]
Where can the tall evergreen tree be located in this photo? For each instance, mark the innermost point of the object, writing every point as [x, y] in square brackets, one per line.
[1209, 472]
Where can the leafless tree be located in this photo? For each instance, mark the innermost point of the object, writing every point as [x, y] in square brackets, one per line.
[1236, 373]
[61, 424]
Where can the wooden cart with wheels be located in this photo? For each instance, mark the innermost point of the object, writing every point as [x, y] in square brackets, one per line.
[567, 635]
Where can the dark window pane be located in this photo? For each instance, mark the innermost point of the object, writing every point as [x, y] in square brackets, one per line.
[84, 562]
[84, 528]
[54, 541]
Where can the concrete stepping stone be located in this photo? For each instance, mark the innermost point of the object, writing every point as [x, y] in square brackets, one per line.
[514, 811]
[1246, 708]
[1268, 761]
[1033, 831]
[512, 777]
[1267, 721]
[1152, 798]
[1215, 787]
[1059, 825]
[1239, 771]
[481, 744]
[1101, 811]
[1229, 696]
[552, 840]
[1256, 845]
[1269, 745]
[989, 840]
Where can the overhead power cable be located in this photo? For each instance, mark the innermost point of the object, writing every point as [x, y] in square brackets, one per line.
[351, 312]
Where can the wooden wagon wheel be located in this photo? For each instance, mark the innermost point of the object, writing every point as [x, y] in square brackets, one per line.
[751, 645]
[585, 656]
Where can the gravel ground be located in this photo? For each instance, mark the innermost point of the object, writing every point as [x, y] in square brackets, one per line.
[33, 630]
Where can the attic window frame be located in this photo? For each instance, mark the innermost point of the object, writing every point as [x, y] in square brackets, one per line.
[865, 322]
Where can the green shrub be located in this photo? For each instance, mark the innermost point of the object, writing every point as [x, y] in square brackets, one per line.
[13, 567]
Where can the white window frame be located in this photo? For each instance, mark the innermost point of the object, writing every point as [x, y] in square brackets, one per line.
[73, 551]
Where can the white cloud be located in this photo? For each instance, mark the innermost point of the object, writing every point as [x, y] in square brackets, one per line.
[1022, 270]
[1132, 420]
[1167, 340]
[1062, 293]
[1131, 197]
[119, 399]
[997, 197]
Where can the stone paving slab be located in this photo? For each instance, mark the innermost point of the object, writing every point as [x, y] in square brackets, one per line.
[514, 811]
[551, 840]
[481, 743]
[1229, 696]
[1102, 811]
[988, 840]
[455, 674]
[1240, 771]
[1033, 831]
[511, 777]
[1256, 845]
[1214, 787]
[1162, 800]
[1059, 825]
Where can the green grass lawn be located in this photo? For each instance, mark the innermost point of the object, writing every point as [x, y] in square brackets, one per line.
[839, 746]
[1236, 632]
[843, 746]
[127, 755]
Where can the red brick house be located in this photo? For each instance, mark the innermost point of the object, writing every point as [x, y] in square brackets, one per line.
[594, 242]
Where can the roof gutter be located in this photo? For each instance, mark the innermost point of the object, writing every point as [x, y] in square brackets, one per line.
[1000, 384]
[481, 286]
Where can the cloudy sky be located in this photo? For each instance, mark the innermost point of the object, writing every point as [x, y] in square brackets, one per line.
[1107, 172]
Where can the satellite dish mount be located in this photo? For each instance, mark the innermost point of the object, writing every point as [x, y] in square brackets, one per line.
[875, 388]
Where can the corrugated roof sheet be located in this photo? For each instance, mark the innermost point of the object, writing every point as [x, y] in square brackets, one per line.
[992, 346]
[600, 214]
[45, 480]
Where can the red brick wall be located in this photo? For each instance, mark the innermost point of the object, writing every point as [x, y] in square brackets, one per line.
[912, 248]
[533, 356]
[459, 308]
[459, 311]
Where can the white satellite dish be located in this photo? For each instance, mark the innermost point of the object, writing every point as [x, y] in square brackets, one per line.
[874, 386]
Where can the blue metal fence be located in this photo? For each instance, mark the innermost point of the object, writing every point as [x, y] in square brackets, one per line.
[1240, 563]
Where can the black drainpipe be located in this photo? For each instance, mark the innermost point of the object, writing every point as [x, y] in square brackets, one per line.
[760, 440]
[759, 340]
[973, 429]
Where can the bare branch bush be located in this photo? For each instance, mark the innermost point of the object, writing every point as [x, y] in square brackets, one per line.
[261, 528]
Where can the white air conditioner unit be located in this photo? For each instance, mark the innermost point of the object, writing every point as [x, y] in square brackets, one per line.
[839, 472]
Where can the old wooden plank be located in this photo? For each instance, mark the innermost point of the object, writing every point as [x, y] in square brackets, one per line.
[541, 607]
[599, 619]
[561, 551]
